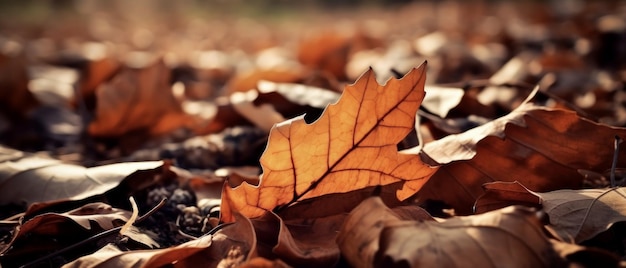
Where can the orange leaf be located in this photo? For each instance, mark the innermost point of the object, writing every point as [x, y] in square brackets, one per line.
[137, 100]
[350, 147]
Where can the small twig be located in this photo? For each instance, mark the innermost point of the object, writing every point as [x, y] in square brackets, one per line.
[616, 144]
[94, 237]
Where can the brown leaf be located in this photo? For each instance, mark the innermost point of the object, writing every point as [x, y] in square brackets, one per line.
[501, 194]
[249, 80]
[474, 241]
[15, 98]
[373, 236]
[330, 51]
[29, 178]
[580, 256]
[49, 231]
[208, 250]
[137, 100]
[359, 235]
[542, 148]
[269, 103]
[577, 215]
[95, 73]
[299, 242]
[350, 147]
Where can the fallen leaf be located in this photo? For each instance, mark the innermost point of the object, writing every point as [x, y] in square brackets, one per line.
[330, 51]
[579, 256]
[208, 250]
[577, 215]
[29, 178]
[249, 80]
[373, 236]
[358, 238]
[542, 148]
[96, 72]
[137, 100]
[48, 231]
[473, 241]
[350, 147]
[440, 100]
[15, 98]
[269, 103]
[299, 242]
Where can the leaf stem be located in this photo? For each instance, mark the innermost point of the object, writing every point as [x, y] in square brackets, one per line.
[616, 144]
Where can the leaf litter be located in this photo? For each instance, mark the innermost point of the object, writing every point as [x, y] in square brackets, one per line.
[278, 155]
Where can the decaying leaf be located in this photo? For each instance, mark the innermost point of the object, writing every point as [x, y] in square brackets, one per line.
[542, 148]
[29, 178]
[48, 231]
[208, 250]
[350, 147]
[576, 215]
[489, 240]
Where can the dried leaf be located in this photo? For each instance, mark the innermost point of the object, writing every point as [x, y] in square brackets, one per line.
[577, 215]
[15, 98]
[137, 100]
[300, 242]
[580, 256]
[359, 235]
[247, 81]
[208, 250]
[473, 241]
[440, 100]
[29, 178]
[373, 236]
[542, 148]
[49, 231]
[350, 147]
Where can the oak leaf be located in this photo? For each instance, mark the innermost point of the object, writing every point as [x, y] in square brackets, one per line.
[351, 146]
[577, 215]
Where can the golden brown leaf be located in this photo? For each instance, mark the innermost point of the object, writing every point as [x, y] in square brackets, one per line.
[542, 148]
[137, 100]
[350, 147]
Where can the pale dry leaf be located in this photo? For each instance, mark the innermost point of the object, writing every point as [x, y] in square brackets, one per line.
[29, 178]
[575, 215]
[350, 147]
[492, 239]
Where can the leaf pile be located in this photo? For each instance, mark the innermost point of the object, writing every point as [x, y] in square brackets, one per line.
[138, 144]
